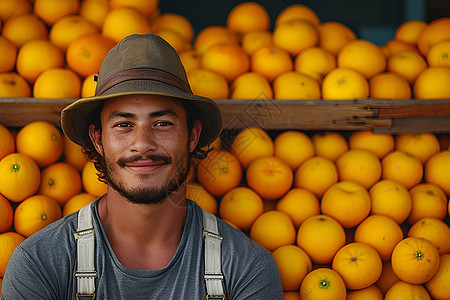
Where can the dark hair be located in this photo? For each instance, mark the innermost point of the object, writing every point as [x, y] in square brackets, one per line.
[91, 153]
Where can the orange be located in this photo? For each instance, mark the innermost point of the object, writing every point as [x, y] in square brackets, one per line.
[60, 181]
[321, 236]
[20, 177]
[9, 55]
[270, 176]
[69, 28]
[360, 166]
[85, 54]
[295, 35]
[387, 278]
[407, 64]
[57, 83]
[359, 265]
[439, 285]
[251, 143]
[381, 232]
[40, 140]
[391, 198]
[252, 41]
[428, 200]
[73, 154]
[389, 85]
[52, 10]
[123, 21]
[378, 143]
[251, 86]
[330, 144]
[13, 85]
[213, 35]
[175, 22]
[436, 31]
[297, 11]
[230, 60]
[8, 242]
[7, 143]
[404, 290]
[34, 213]
[94, 11]
[316, 174]
[91, 182]
[438, 56]
[241, 205]
[77, 202]
[415, 260]
[6, 214]
[144, 6]
[344, 84]
[299, 204]
[273, 229]
[395, 46]
[174, 39]
[410, 31]
[421, 145]
[292, 85]
[293, 147]
[36, 56]
[271, 62]
[362, 56]
[323, 283]
[434, 230]
[196, 192]
[431, 83]
[208, 83]
[437, 170]
[293, 264]
[11, 8]
[190, 60]
[346, 201]
[219, 172]
[247, 17]
[402, 167]
[88, 86]
[315, 62]
[369, 293]
[287, 295]
[334, 35]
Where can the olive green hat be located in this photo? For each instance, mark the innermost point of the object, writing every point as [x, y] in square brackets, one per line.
[140, 65]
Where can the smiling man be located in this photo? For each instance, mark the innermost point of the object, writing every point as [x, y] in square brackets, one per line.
[143, 239]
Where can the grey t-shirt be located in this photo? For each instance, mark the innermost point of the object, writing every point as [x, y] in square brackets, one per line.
[42, 267]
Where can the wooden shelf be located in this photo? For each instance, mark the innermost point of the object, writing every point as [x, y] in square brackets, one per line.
[383, 116]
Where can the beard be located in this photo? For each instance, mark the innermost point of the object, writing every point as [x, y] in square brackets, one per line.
[149, 196]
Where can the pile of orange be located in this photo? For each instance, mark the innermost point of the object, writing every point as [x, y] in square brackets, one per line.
[294, 57]
[44, 177]
[369, 218]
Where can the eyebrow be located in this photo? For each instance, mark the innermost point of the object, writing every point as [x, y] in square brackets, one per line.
[128, 115]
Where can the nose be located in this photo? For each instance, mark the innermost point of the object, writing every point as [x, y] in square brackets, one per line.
[143, 140]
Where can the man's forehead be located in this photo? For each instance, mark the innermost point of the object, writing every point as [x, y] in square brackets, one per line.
[142, 104]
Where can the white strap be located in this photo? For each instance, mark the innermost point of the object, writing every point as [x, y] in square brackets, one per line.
[213, 272]
[85, 238]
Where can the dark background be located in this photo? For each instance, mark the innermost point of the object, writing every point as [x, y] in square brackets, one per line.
[374, 20]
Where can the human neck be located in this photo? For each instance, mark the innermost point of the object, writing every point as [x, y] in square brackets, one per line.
[143, 236]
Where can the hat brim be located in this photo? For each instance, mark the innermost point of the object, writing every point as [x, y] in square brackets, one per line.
[76, 117]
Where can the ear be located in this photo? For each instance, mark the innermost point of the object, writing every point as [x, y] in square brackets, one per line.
[194, 135]
[95, 136]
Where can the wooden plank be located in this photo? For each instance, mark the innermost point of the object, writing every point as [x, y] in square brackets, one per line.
[439, 124]
[402, 108]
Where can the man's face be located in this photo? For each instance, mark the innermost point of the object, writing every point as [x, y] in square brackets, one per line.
[145, 144]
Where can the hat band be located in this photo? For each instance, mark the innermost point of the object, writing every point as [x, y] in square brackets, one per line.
[143, 74]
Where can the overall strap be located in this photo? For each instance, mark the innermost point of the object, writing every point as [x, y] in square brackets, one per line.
[85, 238]
[213, 266]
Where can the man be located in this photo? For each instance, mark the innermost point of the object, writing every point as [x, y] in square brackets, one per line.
[143, 239]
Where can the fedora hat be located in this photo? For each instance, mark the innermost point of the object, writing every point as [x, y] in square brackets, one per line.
[140, 65]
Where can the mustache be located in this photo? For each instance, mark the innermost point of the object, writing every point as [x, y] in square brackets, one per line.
[153, 157]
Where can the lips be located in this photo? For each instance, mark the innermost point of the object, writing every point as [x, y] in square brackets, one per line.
[147, 161]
